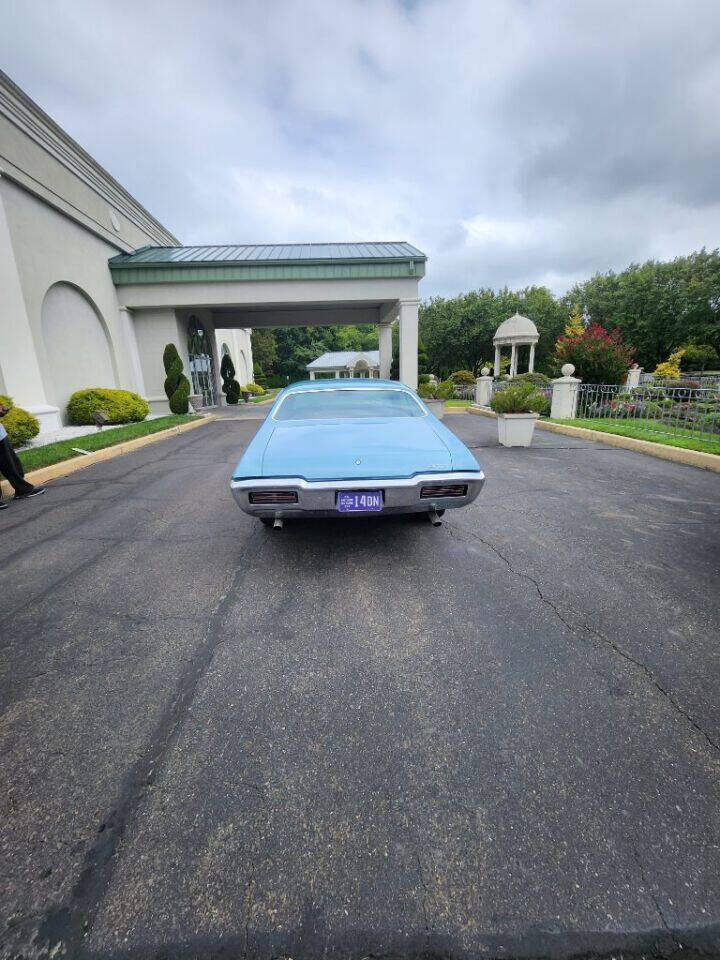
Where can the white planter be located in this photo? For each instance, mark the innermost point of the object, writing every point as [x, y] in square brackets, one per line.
[196, 401]
[516, 429]
[436, 407]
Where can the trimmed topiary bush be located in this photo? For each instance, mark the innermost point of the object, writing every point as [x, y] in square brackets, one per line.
[230, 387]
[21, 426]
[177, 385]
[121, 406]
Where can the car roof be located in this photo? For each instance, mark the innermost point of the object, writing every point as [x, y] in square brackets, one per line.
[364, 383]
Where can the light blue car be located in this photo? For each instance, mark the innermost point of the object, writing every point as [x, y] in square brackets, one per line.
[332, 448]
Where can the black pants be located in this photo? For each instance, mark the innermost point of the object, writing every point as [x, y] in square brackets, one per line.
[12, 469]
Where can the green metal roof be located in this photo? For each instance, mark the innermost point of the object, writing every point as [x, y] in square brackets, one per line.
[290, 261]
[271, 253]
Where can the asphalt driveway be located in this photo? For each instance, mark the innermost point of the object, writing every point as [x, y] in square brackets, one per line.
[496, 738]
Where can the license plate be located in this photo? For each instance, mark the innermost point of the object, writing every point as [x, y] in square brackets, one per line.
[359, 501]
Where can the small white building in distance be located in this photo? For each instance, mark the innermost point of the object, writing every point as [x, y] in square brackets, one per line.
[346, 363]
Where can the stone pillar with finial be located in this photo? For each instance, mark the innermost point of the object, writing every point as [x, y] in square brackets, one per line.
[483, 388]
[565, 394]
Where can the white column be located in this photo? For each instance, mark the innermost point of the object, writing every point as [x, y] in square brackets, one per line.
[565, 394]
[409, 343]
[20, 369]
[385, 345]
[127, 328]
[496, 368]
[312, 374]
[513, 360]
[531, 365]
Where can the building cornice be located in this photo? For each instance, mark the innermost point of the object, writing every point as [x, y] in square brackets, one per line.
[27, 116]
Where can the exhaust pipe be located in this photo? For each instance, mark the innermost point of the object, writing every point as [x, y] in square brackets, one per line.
[434, 518]
[278, 523]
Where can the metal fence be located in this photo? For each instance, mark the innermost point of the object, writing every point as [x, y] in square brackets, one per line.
[681, 411]
[465, 392]
[706, 381]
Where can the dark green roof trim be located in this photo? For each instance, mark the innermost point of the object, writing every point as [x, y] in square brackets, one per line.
[126, 274]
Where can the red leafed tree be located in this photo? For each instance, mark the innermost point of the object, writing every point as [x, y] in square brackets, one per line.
[598, 356]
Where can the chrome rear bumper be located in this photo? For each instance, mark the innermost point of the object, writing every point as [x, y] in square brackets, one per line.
[317, 497]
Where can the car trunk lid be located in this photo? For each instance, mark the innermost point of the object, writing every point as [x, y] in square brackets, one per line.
[377, 448]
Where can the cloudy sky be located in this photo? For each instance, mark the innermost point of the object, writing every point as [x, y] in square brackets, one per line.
[514, 141]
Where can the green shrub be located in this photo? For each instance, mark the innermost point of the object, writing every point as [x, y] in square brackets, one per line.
[276, 380]
[254, 388]
[462, 378]
[177, 385]
[121, 406]
[519, 398]
[6, 401]
[436, 391]
[21, 426]
[230, 387]
[711, 420]
[423, 378]
[535, 377]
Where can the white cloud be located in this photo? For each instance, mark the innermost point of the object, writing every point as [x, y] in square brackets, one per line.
[516, 141]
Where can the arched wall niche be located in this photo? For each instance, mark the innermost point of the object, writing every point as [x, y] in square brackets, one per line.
[77, 344]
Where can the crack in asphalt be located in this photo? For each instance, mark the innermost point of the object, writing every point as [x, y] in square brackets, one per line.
[658, 908]
[454, 532]
[423, 899]
[70, 924]
[591, 631]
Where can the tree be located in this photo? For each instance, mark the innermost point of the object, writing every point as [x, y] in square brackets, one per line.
[658, 305]
[598, 356]
[230, 387]
[264, 349]
[698, 356]
[575, 325]
[177, 385]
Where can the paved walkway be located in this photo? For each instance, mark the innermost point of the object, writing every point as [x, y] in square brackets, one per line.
[496, 738]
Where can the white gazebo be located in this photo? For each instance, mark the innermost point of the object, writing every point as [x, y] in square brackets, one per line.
[516, 331]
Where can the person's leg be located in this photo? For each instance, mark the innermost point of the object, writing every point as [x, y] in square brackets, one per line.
[12, 469]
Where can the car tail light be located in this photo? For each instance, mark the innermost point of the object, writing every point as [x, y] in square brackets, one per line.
[273, 496]
[433, 490]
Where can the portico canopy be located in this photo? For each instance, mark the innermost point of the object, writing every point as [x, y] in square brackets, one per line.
[273, 285]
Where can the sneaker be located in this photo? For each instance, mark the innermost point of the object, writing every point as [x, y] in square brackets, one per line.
[35, 492]
[3, 505]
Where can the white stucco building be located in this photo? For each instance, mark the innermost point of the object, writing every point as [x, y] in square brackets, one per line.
[92, 286]
[346, 363]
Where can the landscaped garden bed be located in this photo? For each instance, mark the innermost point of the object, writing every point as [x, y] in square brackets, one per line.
[642, 430]
[33, 458]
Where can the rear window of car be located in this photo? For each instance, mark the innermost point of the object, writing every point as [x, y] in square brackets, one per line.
[347, 405]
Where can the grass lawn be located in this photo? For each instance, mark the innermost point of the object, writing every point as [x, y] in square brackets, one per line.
[683, 438]
[457, 403]
[35, 457]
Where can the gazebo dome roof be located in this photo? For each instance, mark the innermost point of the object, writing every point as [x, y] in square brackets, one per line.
[517, 328]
